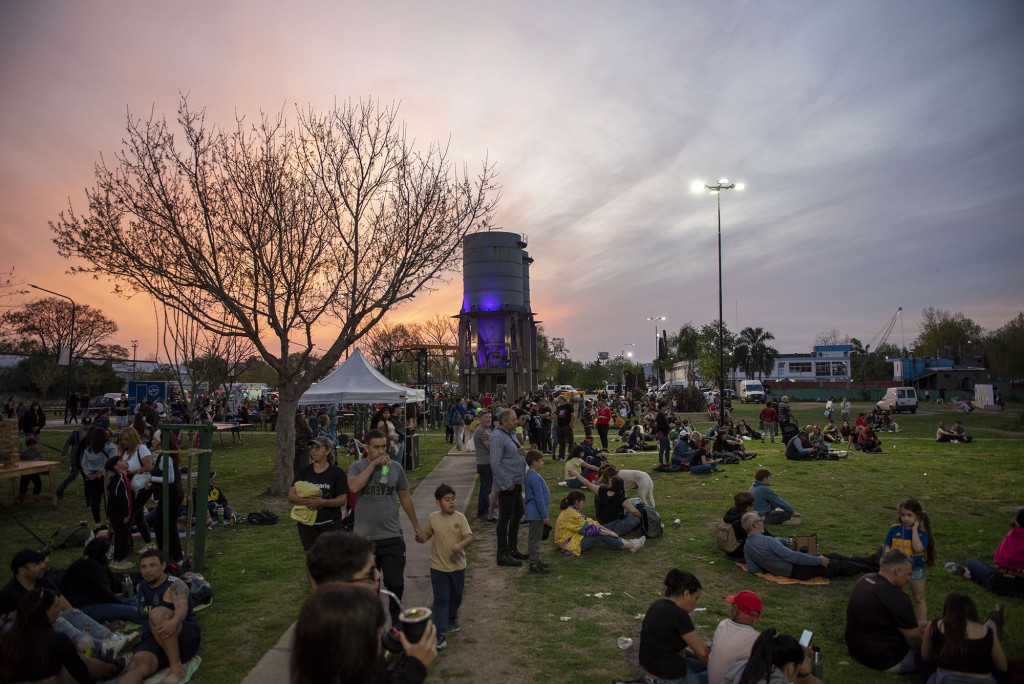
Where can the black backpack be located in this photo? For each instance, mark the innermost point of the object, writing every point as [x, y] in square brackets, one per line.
[262, 517]
[650, 521]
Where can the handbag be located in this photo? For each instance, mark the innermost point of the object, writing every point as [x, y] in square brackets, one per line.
[140, 481]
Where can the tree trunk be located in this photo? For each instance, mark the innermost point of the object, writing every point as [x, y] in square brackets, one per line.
[285, 455]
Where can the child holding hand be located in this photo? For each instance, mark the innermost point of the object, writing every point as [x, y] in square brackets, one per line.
[912, 535]
[451, 534]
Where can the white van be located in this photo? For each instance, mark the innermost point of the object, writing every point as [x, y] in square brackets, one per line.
[567, 390]
[898, 399]
[750, 390]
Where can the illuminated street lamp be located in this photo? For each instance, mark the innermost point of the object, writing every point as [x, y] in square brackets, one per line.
[622, 368]
[657, 347]
[71, 345]
[716, 189]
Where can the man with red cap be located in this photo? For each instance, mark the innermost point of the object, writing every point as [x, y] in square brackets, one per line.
[735, 635]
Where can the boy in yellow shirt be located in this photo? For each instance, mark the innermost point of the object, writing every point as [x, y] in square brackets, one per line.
[451, 534]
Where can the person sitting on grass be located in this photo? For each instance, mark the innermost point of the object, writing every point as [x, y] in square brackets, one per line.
[847, 433]
[831, 433]
[767, 504]
[636, 439]
[668, 631]
[800, 448]
[1006, 578]
[736, 635]
[170, 634]
[962, 647]
[701, 463]
[614, 511]
[769, 554]
[774, 659]
[958, 430]
[885, 423]
[33, 651]
[868, 442]
[575, 464]
[744, 430]
[743, 502]
[576, 533]
[944, 434]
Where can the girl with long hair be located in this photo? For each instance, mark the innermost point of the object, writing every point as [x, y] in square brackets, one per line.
[31, 650]
[774, 659]
[962, 645]
[913, 536]
[98, 449]
[140, 461]
[576, 533]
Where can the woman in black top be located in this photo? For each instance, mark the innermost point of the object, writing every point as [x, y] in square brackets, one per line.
[668, 629]
[31, 650]
[332, 483]
[33, 422]
[961, 645]
[612, 508]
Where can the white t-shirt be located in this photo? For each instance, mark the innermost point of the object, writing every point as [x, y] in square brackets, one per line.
[135, 460]
[732, 642]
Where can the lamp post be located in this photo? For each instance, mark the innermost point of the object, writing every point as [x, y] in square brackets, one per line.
[716, 189]
[622, 368]
[135, 356]
[657, 348]
[71, 343]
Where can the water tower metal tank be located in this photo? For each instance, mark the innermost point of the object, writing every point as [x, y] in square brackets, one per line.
[497, 333]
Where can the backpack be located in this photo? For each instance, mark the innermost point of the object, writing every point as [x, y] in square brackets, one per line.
[725, 537]
[70, 537]
[262, 517]
[650, 521]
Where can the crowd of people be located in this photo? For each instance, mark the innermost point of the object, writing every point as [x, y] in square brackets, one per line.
[356, 561]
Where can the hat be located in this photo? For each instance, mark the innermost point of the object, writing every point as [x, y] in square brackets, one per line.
[590, 437]
[325, 442]
[748, 602]
[24, 557]
[87, 421]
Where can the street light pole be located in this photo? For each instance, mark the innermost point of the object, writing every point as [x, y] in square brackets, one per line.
[135, 356]
[657, 348]
[622, 369]
[716, 189]
[71, 344]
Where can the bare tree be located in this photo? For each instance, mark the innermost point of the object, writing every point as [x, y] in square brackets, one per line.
[382, 345]
[194, 353]
[442, 331]
[830, 337]
[332, 220]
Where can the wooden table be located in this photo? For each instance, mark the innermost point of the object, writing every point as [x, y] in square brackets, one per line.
[31, 468]
[235, 428]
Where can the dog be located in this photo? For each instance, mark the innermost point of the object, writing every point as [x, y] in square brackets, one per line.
[632, 478]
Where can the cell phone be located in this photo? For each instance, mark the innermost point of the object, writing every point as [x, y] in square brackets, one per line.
[805, 638]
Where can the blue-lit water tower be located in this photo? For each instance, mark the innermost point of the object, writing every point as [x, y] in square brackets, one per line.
[497, 331]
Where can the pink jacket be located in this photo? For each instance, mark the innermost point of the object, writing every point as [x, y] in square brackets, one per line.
[1010, 554]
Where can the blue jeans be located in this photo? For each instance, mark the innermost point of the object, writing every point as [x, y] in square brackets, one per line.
[588, 543]
[624, 525]
[126, 611]
[696, 673]
[71, 623]
[448, 589]
[981, 572]
[664, 451]
[703, 468]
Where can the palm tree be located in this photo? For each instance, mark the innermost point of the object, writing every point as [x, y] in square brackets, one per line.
[753, 352]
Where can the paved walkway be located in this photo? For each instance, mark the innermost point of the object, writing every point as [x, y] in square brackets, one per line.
[457, 469]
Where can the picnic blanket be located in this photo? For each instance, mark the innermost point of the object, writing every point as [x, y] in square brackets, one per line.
[190, 669]
[768, 577]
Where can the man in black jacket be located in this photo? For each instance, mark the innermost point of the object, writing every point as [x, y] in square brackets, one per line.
[89, 586]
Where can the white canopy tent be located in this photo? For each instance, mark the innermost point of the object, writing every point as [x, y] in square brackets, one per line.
[357, 382]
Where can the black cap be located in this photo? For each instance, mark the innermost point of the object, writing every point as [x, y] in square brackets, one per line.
[24, 557]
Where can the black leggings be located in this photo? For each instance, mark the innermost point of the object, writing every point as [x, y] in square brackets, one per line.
[602, 432]
[139, 514]
[94, 496]
[173, 551]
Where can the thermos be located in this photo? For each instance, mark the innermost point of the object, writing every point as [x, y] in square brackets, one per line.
[817, 664]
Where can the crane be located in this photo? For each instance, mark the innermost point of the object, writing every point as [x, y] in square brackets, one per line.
[883, 335]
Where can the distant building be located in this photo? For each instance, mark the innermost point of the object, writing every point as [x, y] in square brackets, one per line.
[827, 363]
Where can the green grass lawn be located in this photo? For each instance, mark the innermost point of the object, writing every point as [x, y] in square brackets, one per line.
[970, 491]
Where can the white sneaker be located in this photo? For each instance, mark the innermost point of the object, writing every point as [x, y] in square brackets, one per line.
[637, 543]
[110, 648]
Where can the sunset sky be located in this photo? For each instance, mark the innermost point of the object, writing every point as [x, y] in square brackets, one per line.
[881, 143]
